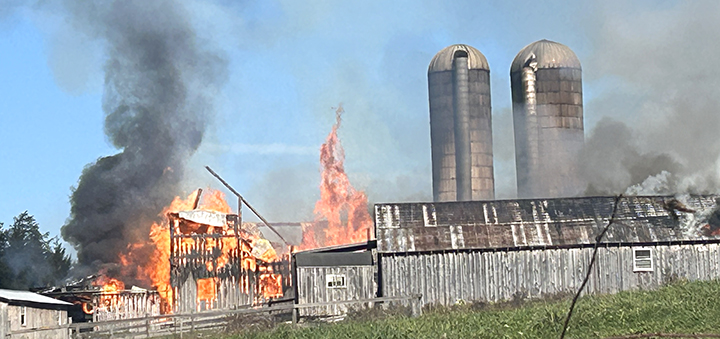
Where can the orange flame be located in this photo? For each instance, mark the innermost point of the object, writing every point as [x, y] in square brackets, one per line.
[157, 266]
[340, 205]
[207, 291]
[110, 289]
[271, 285]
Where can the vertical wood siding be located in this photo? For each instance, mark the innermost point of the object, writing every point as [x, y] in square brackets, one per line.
[312, 288]
[449, 277]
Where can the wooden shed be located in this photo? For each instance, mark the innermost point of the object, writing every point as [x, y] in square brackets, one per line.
[497, 250]
[27, 311]
[337, 273]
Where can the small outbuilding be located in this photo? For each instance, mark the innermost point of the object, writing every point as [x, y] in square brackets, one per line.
[332, 274]
[22, 311]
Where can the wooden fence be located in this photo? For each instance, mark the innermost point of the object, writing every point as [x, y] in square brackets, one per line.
[179, 324]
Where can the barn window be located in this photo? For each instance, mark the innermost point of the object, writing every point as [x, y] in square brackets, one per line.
[642, 260]
[23, 316]
[335, 281]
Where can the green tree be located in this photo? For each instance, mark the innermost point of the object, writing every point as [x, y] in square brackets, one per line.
[31, 258]
[6, 275]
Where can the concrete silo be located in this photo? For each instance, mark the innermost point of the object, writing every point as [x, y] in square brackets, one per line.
[546, 80]
[461, 125]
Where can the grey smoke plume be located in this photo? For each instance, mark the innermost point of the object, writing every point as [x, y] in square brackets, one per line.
[159, 86]
[668, 98]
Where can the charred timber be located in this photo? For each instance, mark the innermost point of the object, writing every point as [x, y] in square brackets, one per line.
[246, 204]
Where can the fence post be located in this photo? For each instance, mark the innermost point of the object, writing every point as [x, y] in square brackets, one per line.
[415, 304]
[77, 331]
[147, 326]
[181, 327]
[294, 311]
[192, 322]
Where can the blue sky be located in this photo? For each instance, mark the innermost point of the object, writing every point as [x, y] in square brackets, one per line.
[290, 62]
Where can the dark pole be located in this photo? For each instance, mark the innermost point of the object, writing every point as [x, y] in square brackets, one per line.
[246, 203]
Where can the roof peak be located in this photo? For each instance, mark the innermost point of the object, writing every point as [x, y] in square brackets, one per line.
[549, 54]
[442, 61]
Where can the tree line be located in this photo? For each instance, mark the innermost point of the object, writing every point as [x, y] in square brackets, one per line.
[30, 258]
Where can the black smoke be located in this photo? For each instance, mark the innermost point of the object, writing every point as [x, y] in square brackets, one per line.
[160, 79]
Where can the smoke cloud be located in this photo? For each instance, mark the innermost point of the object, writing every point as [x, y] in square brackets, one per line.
[662, 114]
[160, 82]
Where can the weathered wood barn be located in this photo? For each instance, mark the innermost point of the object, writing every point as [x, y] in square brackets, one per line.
[22, 311]
[496, 250]
[488, 251]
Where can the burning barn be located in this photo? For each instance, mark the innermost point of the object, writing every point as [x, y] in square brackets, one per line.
[214, 263]
[99, 298]
[204, 258]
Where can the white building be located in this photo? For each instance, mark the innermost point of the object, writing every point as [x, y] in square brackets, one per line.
[21, 312]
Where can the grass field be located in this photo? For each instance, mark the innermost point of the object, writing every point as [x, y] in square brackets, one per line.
[678, 308]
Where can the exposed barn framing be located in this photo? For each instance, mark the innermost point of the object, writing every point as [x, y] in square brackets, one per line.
[212, 266]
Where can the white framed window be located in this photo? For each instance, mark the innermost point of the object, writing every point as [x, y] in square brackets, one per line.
[23, 316]
[336, 281]
[642, 259]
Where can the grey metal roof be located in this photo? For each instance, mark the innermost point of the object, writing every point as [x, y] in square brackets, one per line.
[415, 227]
[549, 54]
[29, 297]
[333, 259]
[443, 60]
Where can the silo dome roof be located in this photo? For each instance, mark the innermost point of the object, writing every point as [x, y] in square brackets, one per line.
[549, 54]
[443, 60]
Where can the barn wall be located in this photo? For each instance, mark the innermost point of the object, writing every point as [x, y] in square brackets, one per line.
[312, 288]
[37, 317]
[448, 277]
[125, 305]
[230, 294]
[4, 325]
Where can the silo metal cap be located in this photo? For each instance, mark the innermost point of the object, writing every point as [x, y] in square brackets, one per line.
[548, 54]
[443, 60]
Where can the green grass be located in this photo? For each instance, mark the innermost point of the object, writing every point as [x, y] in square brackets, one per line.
[678, 308]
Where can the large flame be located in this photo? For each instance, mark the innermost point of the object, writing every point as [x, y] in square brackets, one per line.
[341, 214]
[110, 289]
[341, 217]
[156, 267]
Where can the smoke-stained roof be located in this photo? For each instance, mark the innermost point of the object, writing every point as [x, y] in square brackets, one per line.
[414, 227]
[14, 296]
[548, 54]
[443, 60]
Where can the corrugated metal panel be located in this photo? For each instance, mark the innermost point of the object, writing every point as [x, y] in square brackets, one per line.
[449, 277]
[442, 61]
[312, 288]
[549, 54]
[537, 222]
